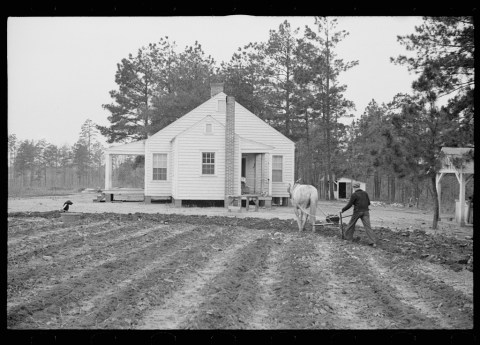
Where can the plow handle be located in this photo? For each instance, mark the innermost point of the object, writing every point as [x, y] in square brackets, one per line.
[341, 225]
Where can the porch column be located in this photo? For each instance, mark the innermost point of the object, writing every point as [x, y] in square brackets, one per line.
[265, 173]
[258, 173]
[269, 159]
[108, 171]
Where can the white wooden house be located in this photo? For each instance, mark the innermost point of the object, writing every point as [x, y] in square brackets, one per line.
[204, 154]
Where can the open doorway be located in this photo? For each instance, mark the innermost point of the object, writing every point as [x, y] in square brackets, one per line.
[342, 190]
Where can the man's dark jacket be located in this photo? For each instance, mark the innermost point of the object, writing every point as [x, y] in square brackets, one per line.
[359, 200]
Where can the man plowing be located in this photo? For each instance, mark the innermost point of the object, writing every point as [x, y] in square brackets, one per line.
[360, 201]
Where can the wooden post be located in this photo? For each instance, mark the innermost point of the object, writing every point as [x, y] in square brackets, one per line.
[269, 159]
[108, 171]
[461, 198]
[438, 186]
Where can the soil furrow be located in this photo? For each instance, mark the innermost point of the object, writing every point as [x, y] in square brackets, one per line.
[290, 306]
[94, 280]
[345, 311]
[452, 304]
[19, 226]
[261, 315]
[418, 293]
[231, 295]
[54, 228]
[409, 294]
[175, 271]
[187, 299]
[73, 236]
[461, 281]
[154, 284]
[60, 254]
[383, 302]
[39, 229]
[75, 263]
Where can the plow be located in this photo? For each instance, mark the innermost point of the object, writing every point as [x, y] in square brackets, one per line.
[333, 220]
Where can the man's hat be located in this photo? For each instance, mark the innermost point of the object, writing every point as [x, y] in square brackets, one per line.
[356, 185]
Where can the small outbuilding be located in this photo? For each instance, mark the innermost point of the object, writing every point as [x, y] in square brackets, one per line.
[343, 187]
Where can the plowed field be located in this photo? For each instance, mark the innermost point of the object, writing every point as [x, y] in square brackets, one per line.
[154, 271]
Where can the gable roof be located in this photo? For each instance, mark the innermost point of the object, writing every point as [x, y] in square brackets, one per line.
[264, 123]
[346, 179]
[216, 98]
[196, 124]
[182, 118]
[248, 145]
[456, 152]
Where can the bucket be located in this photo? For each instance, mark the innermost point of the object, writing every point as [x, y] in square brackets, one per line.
[69, 217]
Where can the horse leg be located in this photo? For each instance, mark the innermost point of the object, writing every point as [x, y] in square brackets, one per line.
[298, 218]
[304, 220]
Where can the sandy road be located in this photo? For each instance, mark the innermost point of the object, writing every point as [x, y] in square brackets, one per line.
[394, 218]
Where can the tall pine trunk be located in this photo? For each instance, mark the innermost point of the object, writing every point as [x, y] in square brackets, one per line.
[436, 213]
[327, 127]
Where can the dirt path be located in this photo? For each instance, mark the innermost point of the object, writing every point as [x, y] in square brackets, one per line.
[394, 218]
[158, 271]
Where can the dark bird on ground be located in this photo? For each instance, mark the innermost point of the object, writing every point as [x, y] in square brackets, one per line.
[66, 205]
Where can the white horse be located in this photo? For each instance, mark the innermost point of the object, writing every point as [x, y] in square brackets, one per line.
[304, 200]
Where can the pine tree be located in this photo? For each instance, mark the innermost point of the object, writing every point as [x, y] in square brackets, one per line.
[444, 59]
[330, 102]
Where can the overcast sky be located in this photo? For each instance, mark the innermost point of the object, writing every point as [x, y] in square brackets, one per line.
[61, 69]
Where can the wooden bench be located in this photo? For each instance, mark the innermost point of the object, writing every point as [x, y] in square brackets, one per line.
[248, 197]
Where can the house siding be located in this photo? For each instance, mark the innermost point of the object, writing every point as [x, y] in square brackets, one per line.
[194, 185]
[247, 125]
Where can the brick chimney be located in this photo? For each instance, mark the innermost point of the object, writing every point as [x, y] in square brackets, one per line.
[215, 88]
[229, 147]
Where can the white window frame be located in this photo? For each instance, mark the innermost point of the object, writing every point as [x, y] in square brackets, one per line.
[166, 166]
[211, 128]
[273, 168]
[214, 163]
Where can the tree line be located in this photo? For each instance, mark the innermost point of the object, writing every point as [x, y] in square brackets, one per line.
[40, 164]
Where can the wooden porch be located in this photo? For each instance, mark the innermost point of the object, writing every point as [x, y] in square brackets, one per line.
[127, 194]
[256, 198]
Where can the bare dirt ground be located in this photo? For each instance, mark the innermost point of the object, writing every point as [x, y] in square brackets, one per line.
[394, 218]
[135, 266]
